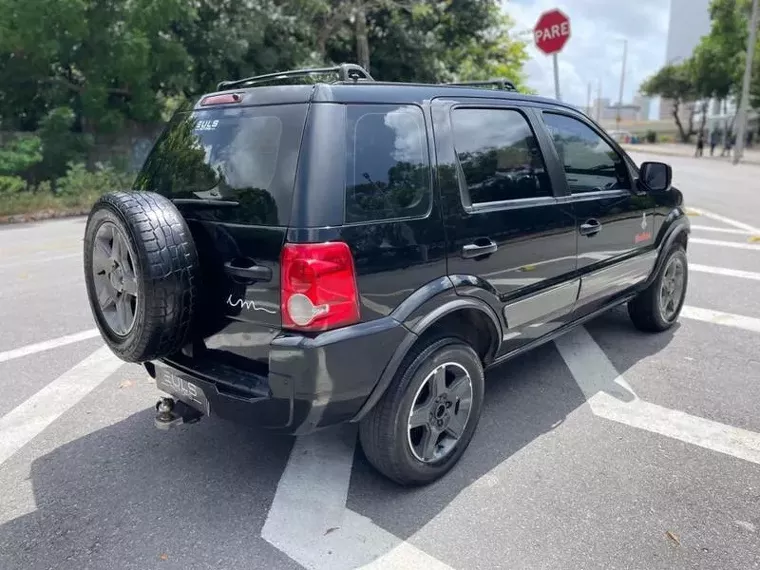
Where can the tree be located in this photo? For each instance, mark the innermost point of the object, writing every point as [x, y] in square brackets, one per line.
[716, 64]
[492, 53]
[231, 39]
[107, 60]
[422, 40]
[72, 70]
[675, 82]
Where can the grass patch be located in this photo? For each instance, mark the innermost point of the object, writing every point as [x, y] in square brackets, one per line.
[37, 202]
[74, 193]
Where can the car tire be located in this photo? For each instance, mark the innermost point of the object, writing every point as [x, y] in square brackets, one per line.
[649, 310]
[141, 273]
[398, 451]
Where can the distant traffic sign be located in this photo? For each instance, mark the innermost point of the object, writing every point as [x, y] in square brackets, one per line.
[552, 31]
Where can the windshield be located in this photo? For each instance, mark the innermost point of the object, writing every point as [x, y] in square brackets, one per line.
[248, 155]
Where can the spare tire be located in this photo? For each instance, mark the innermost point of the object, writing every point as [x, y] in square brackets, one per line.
[141, 270]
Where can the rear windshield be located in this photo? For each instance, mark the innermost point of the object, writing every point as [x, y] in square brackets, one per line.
[247, 154]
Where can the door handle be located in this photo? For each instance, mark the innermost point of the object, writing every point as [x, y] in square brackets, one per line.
[251, 272]
[590, 228]
[486, 247]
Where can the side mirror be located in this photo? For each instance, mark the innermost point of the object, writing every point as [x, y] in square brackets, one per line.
[655, 176]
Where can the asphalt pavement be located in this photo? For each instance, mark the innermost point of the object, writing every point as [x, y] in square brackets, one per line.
[609, 448]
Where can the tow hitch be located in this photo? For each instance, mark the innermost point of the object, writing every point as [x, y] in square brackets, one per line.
[171, 413]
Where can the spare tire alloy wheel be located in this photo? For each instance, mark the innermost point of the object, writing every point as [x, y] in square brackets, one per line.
[142, 272]
[113, 268]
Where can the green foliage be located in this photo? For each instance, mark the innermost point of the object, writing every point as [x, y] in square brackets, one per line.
[79, 181]
[493, 53]
[107, 59]
[74, 70]
[423, 40]
[75, 192]
[60, 144]
[651, 136]
[11, 185]
[719, 58]
[116, 61]
[716, 64]
[673, 81]
[19, 154]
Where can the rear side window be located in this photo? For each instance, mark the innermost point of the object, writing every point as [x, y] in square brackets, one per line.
[590, 163]
[387, 164]
[499, 155]
[248, 155]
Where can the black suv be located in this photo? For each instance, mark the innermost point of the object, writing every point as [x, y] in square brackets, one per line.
[315, 247]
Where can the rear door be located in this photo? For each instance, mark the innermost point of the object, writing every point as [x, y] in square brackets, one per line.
[231, 172]
[509, 239]
[614, 222]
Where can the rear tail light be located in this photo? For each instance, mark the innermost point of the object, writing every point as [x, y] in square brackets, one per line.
[318, 286]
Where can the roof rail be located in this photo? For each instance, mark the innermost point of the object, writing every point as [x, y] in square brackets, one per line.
[345, 71]
[496, 83]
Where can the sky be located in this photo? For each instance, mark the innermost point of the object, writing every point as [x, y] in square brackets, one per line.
[594, 51]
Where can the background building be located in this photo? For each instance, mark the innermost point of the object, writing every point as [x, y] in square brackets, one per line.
[644, 104]
[607, 111]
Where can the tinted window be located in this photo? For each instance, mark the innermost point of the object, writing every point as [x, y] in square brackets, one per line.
[590, 163]
[499, 155]
[387, 167]
[248, 155]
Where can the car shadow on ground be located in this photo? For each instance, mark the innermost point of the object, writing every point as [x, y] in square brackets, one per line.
[199, 495]
[525, 398]
[131, 496]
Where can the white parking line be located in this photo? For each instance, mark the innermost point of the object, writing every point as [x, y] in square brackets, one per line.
[724, 271]
[726, 220]
[308, 519]
[720, 230]
[723, 243]
[47, 345]
[24, 422]
[719, 318]
[31, 260]
[611, 397]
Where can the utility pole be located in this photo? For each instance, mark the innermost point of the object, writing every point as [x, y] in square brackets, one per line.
[588, 99]
[741, 116]
[622, 83]
[598, 99]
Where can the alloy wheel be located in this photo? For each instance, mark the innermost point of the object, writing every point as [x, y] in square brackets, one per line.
[672, 288]
[439, 414]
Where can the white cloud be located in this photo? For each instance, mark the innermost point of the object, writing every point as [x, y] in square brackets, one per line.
[594, 51]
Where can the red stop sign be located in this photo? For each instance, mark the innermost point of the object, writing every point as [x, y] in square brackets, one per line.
[552, 31]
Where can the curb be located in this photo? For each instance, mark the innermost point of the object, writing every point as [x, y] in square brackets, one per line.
[666, 152]
[43, 215]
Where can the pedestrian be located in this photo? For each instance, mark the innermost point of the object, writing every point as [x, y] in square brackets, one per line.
[714, 139]
[728, 142]
[700, 143]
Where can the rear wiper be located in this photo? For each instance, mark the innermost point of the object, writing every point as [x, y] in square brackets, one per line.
[205, 203]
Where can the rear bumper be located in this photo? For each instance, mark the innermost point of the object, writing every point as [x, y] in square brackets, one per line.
[311, 383]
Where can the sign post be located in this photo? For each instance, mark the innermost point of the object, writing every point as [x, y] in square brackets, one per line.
[556, 77]
[551, 33]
